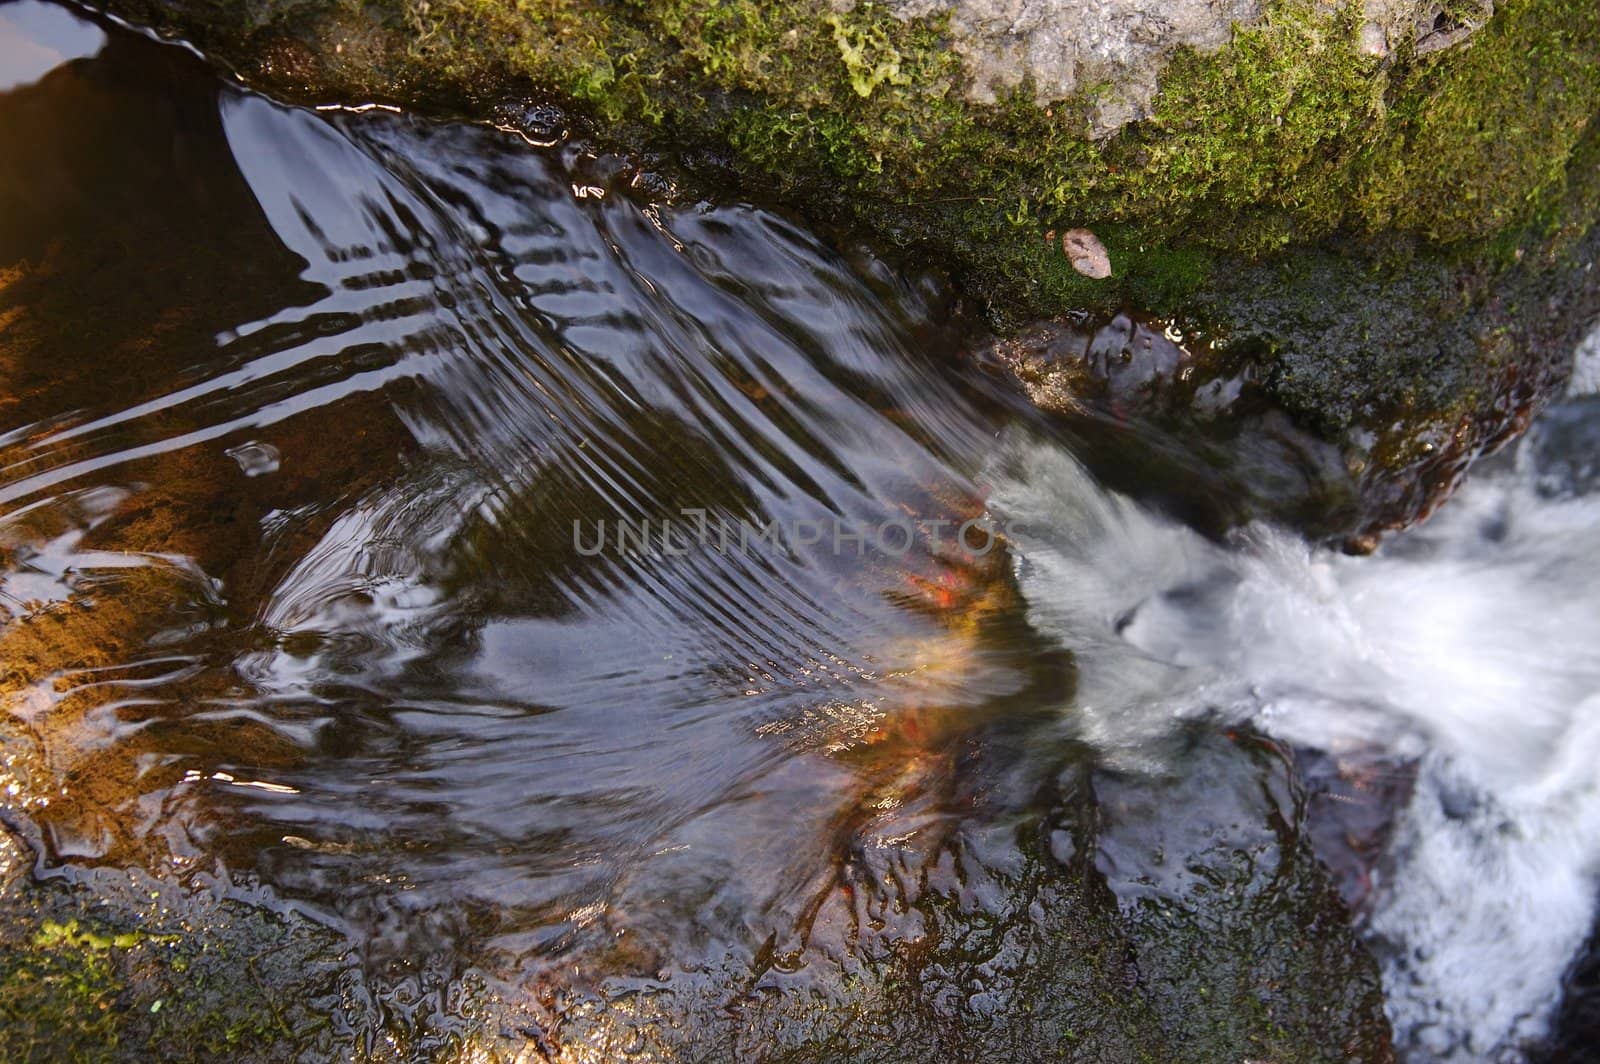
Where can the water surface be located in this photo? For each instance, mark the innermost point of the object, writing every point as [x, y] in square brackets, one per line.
[310, 423]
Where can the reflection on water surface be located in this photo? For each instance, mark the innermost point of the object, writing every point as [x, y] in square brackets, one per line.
[298, 411]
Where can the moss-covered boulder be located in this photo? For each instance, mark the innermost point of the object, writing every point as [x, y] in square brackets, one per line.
[1387, 205]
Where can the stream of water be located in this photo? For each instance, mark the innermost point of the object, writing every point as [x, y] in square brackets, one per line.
[1465, 646]
[312, 424]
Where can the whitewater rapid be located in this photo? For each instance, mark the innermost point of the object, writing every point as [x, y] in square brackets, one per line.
[1467, 646]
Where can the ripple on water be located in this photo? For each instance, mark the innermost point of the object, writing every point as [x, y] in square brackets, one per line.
[298, 410]
[291, 577]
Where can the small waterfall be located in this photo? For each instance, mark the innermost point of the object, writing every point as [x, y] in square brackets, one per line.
[1465, 646]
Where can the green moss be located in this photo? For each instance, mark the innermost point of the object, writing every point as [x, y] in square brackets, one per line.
[1287, 135]
[1290, 123]
[57, 1003]
[53, 935]
[1287, 157]
[123, 968]
[870, 58]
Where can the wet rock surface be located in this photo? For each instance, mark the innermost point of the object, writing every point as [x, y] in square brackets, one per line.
[1111, 929]
[1204, 436]
[1354, 800]
[1577, 1026]
[102, 965]
[1213, 439]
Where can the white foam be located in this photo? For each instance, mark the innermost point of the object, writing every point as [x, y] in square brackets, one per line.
[1586, 367]
[1471, 640]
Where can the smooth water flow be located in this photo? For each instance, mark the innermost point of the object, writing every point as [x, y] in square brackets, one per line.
[473, 543]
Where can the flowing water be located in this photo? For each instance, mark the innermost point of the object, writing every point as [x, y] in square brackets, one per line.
[1465, 646]
[517, 565]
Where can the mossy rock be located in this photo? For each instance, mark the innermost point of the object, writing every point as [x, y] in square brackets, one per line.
[104, 964]
[1392, 211]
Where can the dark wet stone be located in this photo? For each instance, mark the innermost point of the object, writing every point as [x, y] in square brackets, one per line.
[543, 124]
[1189, 428]
[1564, 448]
[1575, 1034]
[1180, 918]
[1353, 803]
[1199, 426]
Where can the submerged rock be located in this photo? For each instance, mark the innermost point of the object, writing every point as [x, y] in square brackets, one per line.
[1169, 919]
[1195, 424]
[1354, 802]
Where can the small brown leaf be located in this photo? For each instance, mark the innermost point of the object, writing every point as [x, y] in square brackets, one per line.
[1087, 255]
